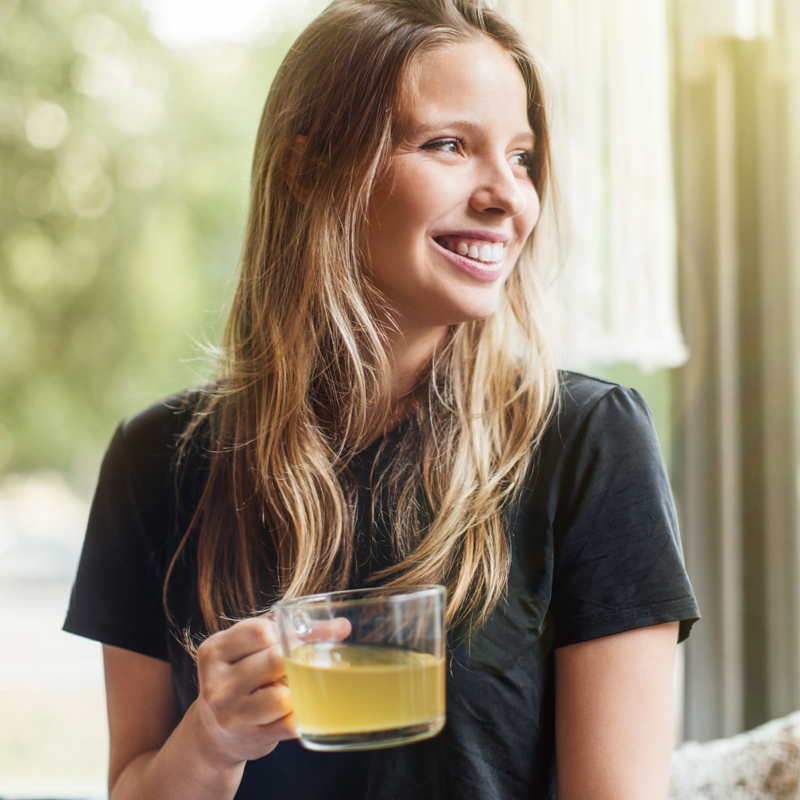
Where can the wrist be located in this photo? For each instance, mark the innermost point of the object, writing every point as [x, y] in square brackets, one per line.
[210, 748]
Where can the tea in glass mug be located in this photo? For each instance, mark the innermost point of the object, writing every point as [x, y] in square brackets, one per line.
[366, 668]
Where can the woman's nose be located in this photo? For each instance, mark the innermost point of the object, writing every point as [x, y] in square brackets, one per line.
[497, 191]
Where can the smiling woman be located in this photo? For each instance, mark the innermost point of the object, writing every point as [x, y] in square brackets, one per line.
[387, 413]
[449, 220]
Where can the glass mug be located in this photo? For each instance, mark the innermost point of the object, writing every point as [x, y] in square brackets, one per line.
[366, 667]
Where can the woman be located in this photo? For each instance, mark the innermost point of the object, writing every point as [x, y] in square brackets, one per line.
[388, 413]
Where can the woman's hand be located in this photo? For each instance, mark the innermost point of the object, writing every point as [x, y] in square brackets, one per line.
[242, 712]
[244, 708]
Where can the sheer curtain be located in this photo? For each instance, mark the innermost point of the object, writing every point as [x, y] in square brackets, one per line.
[615, 294]
[737, 79]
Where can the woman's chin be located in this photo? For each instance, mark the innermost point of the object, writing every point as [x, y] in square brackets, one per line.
[479, 309]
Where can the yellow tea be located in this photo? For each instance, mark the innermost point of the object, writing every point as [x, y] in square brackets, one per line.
[357, 688]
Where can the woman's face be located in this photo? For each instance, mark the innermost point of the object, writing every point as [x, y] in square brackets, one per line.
[447, 225]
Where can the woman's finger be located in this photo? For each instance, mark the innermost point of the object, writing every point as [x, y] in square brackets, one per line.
[334, 629]
[256, 671]
[237, 712]
[282, 729]
[239, 641]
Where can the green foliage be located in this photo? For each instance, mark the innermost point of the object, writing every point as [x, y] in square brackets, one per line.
[124, 170]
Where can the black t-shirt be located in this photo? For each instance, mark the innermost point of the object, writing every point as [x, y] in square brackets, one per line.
[595, 551]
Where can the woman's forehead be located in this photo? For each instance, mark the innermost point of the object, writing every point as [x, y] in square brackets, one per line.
[467, 74]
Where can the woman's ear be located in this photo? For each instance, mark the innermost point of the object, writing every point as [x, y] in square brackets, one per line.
[292, 172]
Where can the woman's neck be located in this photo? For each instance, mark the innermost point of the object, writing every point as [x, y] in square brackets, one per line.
[411, 354]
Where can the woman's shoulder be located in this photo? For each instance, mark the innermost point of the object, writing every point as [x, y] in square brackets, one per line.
[596, 422]
[579, 393]
[159, 427]
[145, 446]
[596, 408]
[133, 528]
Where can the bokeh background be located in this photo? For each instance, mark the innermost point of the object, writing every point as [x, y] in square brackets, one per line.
[124, 174]
[126, 134]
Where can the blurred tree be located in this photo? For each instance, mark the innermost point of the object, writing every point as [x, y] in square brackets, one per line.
[124, 169]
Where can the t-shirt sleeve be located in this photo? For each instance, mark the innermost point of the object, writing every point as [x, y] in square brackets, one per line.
[116, 597]
[618, 563]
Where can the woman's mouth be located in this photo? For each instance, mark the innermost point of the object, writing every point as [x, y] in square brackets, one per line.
[474, 249]
[478, 258]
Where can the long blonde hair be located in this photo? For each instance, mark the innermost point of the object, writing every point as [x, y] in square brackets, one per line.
[306, 372]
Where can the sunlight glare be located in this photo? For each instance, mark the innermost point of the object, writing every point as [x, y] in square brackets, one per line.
[199, 22]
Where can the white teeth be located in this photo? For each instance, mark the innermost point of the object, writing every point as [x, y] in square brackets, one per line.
[487, 253]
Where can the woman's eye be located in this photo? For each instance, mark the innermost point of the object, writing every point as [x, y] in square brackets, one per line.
[444, 145]
[524, 159]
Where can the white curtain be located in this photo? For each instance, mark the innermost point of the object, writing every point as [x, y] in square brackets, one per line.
[615, 291]
[736, 460]
[738, 19]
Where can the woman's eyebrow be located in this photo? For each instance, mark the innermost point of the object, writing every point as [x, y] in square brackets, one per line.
[526, 137]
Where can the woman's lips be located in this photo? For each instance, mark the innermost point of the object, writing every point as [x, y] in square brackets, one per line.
[483, 271]
[479, 249]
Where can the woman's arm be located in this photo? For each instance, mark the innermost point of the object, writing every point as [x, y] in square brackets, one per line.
[241, 714]
[614, 715]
